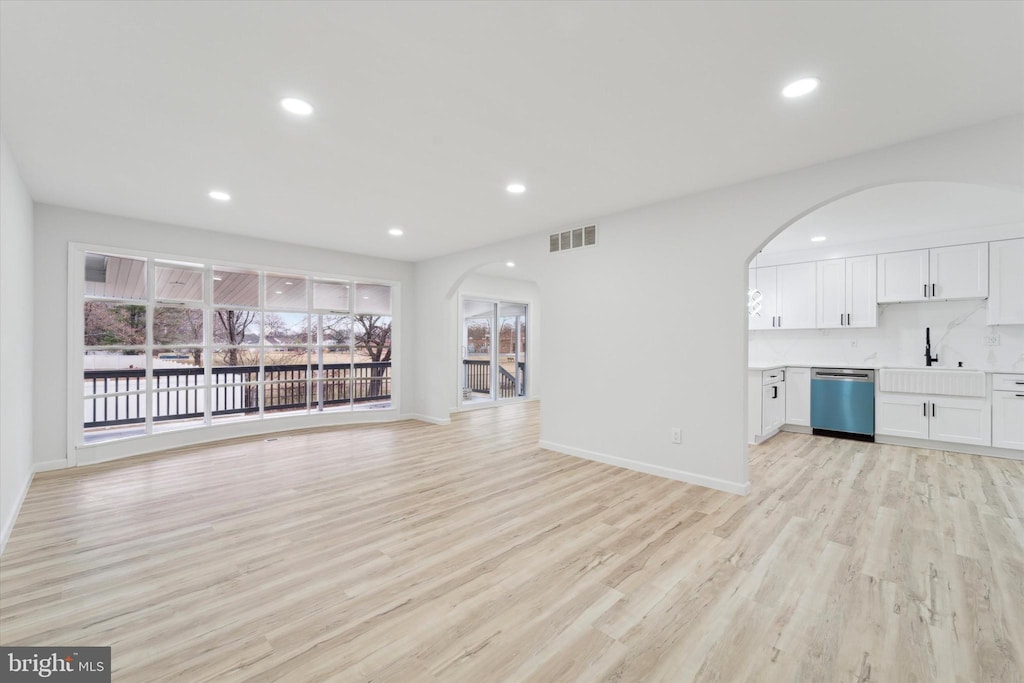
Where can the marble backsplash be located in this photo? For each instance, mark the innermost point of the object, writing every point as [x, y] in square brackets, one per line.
[958, 334]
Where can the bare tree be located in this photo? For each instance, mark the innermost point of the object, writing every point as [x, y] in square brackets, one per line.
[373, 334]
[232, 329]
[114, 324]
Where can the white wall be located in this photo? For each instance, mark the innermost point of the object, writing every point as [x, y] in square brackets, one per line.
[57, 227]
[648, 331]
[519, 291]
[16, 347]
[958, 329]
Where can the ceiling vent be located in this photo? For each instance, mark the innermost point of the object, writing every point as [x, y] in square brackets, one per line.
[573, 239]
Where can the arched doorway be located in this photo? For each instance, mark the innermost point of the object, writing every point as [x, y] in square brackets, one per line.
[856, 228]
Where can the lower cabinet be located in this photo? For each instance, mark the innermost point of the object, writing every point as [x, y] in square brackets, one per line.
[766, 408]
[798, 396]
[937, 418]
[773, 407]
[1008, 419]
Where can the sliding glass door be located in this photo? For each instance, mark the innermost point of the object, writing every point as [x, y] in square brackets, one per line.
[493, 350]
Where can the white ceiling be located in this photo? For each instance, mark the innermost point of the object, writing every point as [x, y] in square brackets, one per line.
[425, 111]
[901, 210]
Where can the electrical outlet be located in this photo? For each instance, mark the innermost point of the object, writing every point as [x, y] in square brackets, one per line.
[853, 343]
[991, 340]
[677, 435]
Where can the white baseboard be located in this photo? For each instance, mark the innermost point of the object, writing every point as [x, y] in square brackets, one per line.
[1008, 453]
[48, 465]
[799, 429]
[657, 470]
[428, 418]
[5, 532]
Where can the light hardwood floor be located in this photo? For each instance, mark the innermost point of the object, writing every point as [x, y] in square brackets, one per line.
[411, 552]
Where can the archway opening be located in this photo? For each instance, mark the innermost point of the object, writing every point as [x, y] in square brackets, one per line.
[822, 292]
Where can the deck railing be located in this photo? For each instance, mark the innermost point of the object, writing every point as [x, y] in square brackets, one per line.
[478, 378]
[117, 397]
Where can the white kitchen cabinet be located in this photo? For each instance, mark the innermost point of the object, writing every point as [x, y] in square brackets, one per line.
[952, 419]
[959, 272]
[1008, 419]
[787, 297]
[903, 415]
[764, 280]
[943, 273]
[773, 407]
[1006, 282]
[796, 296]
[798, 396]
[847, 292]
[861, 292]
[903, 276]
[766, 407]
[960, 420]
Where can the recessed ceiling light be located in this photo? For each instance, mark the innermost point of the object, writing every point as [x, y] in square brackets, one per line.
[818, 238]
[297, 106]
[396, 232]
[801, 87]
[278, 292]
[217, 278]
[516, 188]
[366, 297]
[289, 282]
[220, 195]
[510, 264]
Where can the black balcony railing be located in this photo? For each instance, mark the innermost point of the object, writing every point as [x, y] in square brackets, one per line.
[478, 378]
[179, 392]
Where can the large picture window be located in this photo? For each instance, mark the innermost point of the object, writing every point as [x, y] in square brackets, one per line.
[170, 345]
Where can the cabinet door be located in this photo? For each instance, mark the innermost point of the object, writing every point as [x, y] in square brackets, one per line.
[861, 292]
[1008, 419]
[960, 420]
[832, 293]
[764, 280]
[959, 272]
[773, 407]
[798, 396]
[1006, 282]
[796, 296]
[903, 276]
[902, 415]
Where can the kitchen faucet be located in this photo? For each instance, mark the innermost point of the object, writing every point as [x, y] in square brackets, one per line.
[928, 358]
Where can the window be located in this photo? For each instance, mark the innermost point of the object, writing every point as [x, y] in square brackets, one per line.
[171, 345]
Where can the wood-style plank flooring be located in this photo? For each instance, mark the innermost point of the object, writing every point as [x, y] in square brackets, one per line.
[413, 552]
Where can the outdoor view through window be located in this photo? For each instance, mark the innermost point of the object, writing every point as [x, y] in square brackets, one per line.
[170, 345]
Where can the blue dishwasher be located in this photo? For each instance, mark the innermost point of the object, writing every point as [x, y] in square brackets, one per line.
[843, 403]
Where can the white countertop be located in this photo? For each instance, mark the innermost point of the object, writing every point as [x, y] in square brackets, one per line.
[760, 367]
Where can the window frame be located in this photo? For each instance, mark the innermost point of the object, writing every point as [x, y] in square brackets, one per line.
[207, 266]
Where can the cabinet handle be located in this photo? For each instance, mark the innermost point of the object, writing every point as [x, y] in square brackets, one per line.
[780, 321]
[1019, 395]
[775, 392]
[847, 319]
[933, 409]
[1018, 382]
[926, 291]
[841, 319]
[933, 289]
[924, 408]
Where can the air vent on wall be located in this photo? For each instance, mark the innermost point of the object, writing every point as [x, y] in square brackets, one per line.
[573, 239]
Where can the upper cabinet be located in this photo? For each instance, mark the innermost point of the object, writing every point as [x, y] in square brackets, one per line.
[787, 297]
[796, 296]
[903, 276]
[959, 272]
[764, 280]
[1006, 283]
[847, 292]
